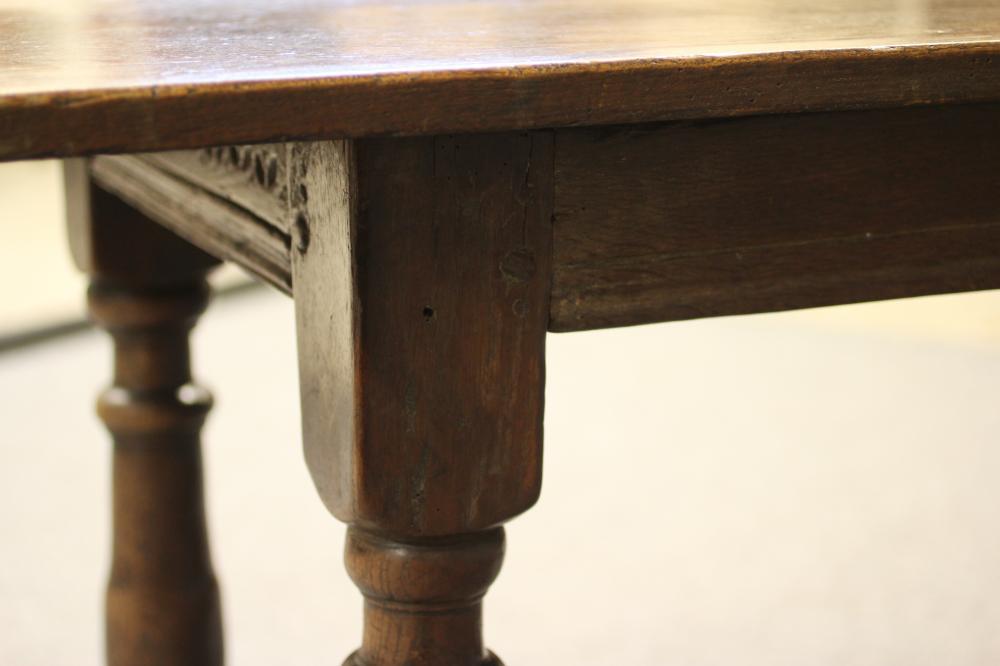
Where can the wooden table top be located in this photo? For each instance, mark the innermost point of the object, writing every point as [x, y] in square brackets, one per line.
[85, 76]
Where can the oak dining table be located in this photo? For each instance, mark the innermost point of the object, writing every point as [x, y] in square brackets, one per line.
[438, 184]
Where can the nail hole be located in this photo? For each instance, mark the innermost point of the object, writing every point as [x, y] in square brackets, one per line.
[428, 313]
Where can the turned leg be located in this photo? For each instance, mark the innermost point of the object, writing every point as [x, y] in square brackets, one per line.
[147, 289]
[421, 276]
[424, 597]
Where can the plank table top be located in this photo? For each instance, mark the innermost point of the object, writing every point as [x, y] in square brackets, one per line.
[87, 76]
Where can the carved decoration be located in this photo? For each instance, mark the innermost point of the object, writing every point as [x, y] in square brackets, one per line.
[263, 164]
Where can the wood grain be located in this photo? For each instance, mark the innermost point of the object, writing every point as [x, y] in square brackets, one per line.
[327, 315]
[142, 75]
[421, 276]
[254, 178]
[442, 284]
[689, 220]
[215, 209]
[423, 600]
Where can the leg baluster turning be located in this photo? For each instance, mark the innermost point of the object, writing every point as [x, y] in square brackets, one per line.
[162, 601]
[424, 598]
[147, 289]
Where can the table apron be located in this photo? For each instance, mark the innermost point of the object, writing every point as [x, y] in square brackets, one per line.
[679, 220]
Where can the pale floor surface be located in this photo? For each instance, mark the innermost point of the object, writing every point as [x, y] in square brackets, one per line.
[815, 488]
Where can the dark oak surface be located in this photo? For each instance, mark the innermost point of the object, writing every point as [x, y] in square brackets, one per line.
[686, 220]
[421, 296]
[421, 271]
[121, 76]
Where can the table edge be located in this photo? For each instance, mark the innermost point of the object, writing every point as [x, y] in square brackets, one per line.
[169, 116]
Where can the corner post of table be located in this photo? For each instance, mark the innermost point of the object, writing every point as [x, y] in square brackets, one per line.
[147, 289]
[421, 273]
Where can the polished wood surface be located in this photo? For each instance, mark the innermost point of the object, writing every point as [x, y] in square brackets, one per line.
[147, 290]
[689, 220]
[421, 275]
[127, 75]
[423, 599]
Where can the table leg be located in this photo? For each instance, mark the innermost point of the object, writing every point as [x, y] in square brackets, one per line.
[421, 277]
[424, 597]
[147, 289]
